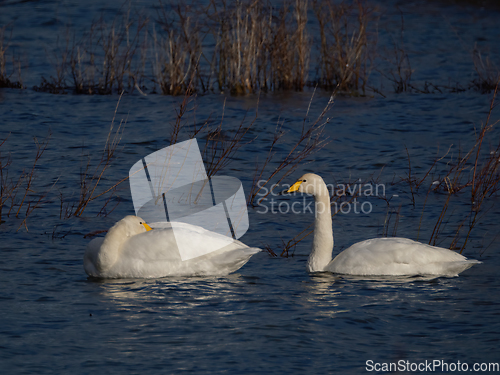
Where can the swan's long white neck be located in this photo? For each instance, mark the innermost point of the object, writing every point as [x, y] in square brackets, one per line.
[322, 247]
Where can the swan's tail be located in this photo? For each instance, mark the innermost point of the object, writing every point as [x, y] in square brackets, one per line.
[454, 268]
[240, 255]
[251, 250]
[233, 260]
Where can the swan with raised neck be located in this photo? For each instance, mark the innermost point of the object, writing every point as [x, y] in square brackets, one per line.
[378, 256]
[322, 247]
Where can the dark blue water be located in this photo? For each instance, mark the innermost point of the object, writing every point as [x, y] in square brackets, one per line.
[271, 316]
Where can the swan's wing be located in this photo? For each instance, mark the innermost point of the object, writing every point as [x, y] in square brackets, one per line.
[151, 246]
[156, 254]
[398, 256]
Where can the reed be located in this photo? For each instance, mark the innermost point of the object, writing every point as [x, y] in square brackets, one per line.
[254, 48]
[221, 141]
[401, 71]
[111, 67]
[57, 84]
[344, 52]
[177, 55]
[414, 182]
[390, 213]
[488, 74]
[8, 186]
[5, 77]
[474, 172]
[103, 61]
[91, 175]
[481, 177]
[17, 194]
[240, 47]
[289, 49]
[240, 32]
[180, 121]
[310, 140]
[221, 146]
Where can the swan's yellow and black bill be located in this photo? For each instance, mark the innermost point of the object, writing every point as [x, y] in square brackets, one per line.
[294, 187]
[148, 228]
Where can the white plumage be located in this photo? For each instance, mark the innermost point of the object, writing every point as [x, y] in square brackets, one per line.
[378, 256]
[131, 249]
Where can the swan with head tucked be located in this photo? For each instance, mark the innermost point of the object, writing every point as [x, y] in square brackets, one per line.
[378, 256]
[132, 249]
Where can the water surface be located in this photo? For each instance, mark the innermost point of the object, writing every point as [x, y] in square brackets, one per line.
[271, 316]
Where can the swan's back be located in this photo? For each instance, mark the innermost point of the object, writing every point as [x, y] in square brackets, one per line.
[398, 256]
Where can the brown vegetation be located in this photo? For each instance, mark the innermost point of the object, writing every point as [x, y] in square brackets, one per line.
[475, 172]
[91, 175]
[237, 47]
[17, 195]
[5, 78]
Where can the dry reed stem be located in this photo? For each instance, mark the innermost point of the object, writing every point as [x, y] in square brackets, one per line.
[476, 172]
[57, 84]
[401, 73]
[89, 181]
[4, 76]
[239, 35]
[34, 204]
[7, 186]
[177, 55]
[387, 221]
[488, 73]
[10, 188]
[239, 47]
[486, 177]
[104, 61]
[219, 148]
[310, 140]
[258, 50]
[344, 44]
[40, 149]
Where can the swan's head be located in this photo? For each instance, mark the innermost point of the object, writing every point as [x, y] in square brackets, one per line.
[132, 225]
[105, 256]
[309, 183]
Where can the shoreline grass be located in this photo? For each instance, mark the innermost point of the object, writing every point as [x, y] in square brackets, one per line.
[243, 47]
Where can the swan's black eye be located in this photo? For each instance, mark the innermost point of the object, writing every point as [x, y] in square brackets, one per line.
[303, 180]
